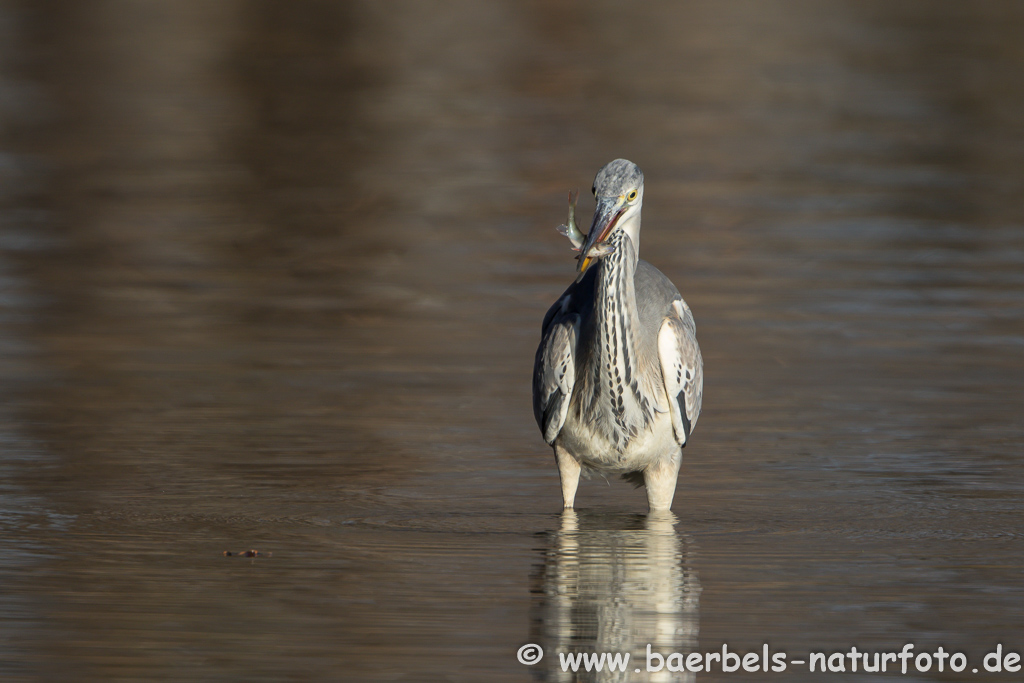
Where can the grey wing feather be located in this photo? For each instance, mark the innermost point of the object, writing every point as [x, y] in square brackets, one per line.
[682, 368]
[554, 369]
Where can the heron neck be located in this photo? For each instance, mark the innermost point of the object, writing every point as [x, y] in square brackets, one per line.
[618, 267]
[618, 392]
[631, 227]
[615, 296]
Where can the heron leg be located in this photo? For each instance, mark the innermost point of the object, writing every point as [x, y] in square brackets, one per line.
[660, 480]
[569, 473]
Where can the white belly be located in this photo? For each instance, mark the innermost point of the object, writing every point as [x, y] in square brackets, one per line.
[595, 450]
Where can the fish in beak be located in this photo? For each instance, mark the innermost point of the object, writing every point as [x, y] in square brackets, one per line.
[606, 215]
[569, 229]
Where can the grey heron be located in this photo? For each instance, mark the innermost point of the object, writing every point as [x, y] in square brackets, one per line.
[618, 377]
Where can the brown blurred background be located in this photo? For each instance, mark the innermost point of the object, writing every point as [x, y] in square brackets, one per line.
[272, 275]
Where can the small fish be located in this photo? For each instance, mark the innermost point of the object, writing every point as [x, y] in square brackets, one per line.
[601, 249]
[571, 231]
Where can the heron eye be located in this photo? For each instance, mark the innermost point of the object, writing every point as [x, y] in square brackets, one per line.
[631, 196]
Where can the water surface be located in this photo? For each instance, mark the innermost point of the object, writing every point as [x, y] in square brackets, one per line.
[272, 276]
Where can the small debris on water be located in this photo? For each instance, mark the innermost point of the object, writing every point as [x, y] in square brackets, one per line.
[248, 553]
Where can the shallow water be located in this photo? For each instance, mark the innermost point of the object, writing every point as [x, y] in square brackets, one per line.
[272, 276]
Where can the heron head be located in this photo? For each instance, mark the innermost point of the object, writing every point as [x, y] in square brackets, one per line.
[619, 190]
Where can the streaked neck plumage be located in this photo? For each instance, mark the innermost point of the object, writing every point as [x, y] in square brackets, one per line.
[619, 403]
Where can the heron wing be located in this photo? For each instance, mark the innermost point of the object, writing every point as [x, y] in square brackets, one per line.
[682, 368]
[554, 370]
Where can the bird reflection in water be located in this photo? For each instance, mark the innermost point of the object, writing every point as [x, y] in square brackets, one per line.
[614, 583]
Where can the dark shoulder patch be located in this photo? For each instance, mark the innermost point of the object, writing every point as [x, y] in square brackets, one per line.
[681, 399]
